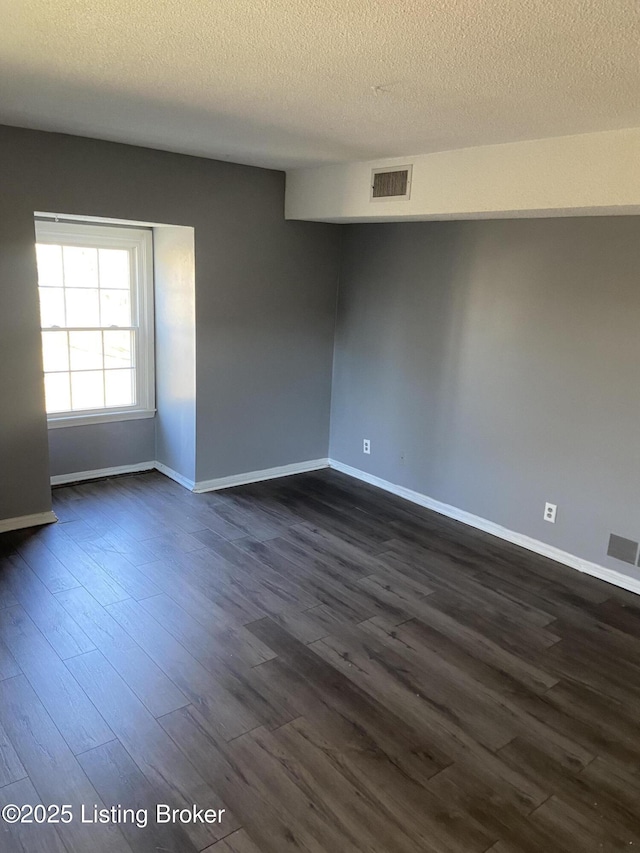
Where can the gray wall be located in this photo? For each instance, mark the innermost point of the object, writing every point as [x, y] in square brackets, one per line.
[92, 447]
[24, 461]
[502, 359]
[175, 344]
[265, 344]
[274, 281]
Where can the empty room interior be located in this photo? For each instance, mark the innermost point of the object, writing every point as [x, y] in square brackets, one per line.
[319, 432]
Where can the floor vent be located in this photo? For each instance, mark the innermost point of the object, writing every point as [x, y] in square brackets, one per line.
[622, 549]
[392, 183]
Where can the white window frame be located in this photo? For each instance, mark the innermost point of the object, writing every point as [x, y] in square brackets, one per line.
[139, 243]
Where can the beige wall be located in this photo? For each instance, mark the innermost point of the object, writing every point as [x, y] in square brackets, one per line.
[592, 173]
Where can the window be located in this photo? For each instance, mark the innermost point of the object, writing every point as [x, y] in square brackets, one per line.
[96, 310]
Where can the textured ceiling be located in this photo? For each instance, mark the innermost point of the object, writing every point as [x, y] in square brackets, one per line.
[288, 83]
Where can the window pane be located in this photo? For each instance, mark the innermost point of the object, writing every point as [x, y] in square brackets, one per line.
[55, 352]
[119, 387]
[83, 307]
[117, 349]
[86, 350]
[51, 306]
[114, 268]
[49, 259]
[115, 307]
[80, 266]
[88, 288]
[56, 389]
[87, 390]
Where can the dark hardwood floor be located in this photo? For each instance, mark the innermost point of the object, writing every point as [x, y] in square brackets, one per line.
[338, 670]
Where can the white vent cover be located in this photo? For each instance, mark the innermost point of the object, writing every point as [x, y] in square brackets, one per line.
[391, 183]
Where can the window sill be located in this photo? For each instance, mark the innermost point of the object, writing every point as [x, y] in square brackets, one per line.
[100, 418]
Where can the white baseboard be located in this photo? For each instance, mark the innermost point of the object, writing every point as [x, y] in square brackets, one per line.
[174, 475]
[79, 476]
[610, 575]
[22, 521]
[258, 476]
[594, 569]
[201, 486]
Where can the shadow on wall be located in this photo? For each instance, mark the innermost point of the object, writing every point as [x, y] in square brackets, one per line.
[411, 354]
[494, 365]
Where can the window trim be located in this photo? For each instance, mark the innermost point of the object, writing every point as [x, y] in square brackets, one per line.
[139, 242]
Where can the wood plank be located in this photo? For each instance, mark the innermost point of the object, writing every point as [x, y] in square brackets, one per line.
[230, 672]
[576, 788]
[529, 674]
[85, 569]
[237, 842]
[204, 690]
[387, 816]
[120, 782]
[11, 769]
[135, 583]
[336, 667]
[276, 827]
[8, 664]
[575, 828]
[156, 755]
[365, 713]
[318, 824]
[26, 837]
[225, 643]
[53, 769]
[77, 718]
[150, 684]
[61, 630]
[53, 574]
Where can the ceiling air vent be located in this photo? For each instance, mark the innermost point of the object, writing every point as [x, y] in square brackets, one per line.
[391, 183]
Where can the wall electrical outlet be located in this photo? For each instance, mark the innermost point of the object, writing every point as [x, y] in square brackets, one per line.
[550, 511]
[366, 445]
